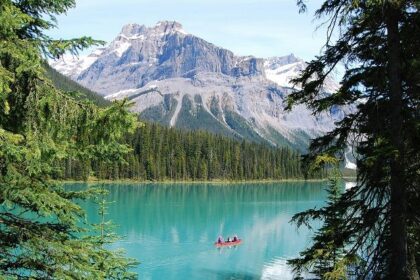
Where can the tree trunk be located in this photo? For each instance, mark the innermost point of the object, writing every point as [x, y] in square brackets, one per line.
[399, 262]
[412, 265]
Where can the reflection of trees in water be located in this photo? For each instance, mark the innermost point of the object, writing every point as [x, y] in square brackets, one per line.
[149, 207]
[158, 215]
[225, 274]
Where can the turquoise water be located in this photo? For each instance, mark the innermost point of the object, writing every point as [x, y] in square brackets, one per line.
[171, 228]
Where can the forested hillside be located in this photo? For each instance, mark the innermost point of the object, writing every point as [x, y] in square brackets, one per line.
[71, 87]
[161, 153]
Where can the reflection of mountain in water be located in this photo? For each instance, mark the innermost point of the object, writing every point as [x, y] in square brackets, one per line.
[219, 200]
[171, 227]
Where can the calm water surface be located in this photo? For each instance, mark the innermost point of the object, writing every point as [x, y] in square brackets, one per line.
[171, 228]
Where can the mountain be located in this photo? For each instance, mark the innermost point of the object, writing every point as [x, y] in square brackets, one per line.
[181, 80]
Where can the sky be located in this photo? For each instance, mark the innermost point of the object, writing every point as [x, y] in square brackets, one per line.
[261, 28]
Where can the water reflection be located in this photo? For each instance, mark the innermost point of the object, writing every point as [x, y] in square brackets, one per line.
[171, 228]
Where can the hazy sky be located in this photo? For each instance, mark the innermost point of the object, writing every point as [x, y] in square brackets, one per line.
[261, 28]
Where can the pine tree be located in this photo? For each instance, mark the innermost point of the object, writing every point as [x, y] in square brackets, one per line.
[105, 229]
[327, 257]
[378, 44]
[40, 126]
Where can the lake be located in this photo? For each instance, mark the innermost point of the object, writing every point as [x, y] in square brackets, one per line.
[171, 228]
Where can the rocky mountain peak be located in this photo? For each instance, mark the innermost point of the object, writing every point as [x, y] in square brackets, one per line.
[140, 54]
[169, 26]
[132, 29]
[135, 31]
[277, 61]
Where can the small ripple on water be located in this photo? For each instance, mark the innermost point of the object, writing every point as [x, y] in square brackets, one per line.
[276, 268]
[174, 260]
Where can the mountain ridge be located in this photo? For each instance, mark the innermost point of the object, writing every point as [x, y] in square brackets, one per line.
[181, 80]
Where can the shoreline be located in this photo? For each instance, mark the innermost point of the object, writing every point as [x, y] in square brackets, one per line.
[224, 182]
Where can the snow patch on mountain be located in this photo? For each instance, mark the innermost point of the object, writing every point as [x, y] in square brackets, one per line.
[282, 70]
[284, 74]
[72, 65]
[121, 47]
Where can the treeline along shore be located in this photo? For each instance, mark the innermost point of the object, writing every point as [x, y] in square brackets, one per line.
[161, 153]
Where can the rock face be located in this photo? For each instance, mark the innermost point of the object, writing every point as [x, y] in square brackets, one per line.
[178, 79]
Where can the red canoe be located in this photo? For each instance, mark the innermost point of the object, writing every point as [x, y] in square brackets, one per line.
[232, 243]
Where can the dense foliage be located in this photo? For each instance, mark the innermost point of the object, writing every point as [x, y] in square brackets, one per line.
[378, 42]
[162, 153]
[325, 258]
[43, 232]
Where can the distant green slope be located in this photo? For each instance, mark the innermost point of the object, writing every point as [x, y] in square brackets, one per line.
[66, 84]
[196, 118]
[189, 118]
[192, 116]
[162, 153]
